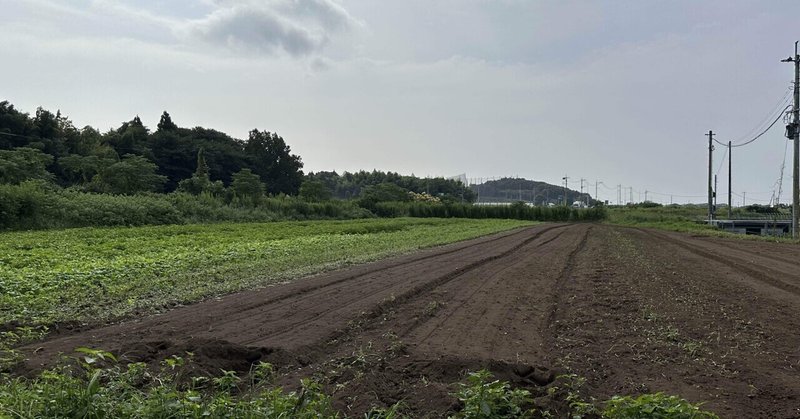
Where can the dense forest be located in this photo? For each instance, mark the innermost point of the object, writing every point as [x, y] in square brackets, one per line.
[517, 189]
[133, 159]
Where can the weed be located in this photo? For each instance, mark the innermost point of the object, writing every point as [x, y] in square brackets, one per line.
[483, 397]
[656, 405]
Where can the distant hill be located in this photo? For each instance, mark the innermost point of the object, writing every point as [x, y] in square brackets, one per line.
[518, 189]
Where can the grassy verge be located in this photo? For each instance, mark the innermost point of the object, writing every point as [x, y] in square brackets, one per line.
[101, 274]
[686, 219]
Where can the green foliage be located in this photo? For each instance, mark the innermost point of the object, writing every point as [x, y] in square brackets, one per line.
[38, 205]
[655, 406]
[175, 151]
[519, 211]
[24, 163]
[314, 191]
[271, 159]
[49, 276]
[350, 185]
[133, 174]
[483, 397]
[247, 188]
[383, 192]
[135, 391]
[81, 169]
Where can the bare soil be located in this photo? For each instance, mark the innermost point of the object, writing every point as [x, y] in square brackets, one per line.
[630, 310]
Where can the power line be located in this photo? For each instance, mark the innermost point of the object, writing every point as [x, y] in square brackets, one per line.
[782, 102]
[759, 135]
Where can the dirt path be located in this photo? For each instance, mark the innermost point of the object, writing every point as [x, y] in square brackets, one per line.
[629, 310]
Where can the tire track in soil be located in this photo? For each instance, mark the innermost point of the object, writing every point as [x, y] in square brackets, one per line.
[297, 291]
[425, 287]
[343, 303]
[763, 274]
[494, 277]
[563, 277]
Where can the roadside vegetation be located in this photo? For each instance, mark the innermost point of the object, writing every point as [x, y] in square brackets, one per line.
[691, 218]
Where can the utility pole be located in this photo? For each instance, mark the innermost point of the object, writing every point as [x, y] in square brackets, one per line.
[795, 120]
[730, 157]
[581, 197]
[596, 197]
[645, 195]
[619, 194]
[710, 191]
[566, 186]
[630, 192]
[744, 199]
[715, 193]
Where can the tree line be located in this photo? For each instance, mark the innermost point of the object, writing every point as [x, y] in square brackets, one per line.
[133, 159]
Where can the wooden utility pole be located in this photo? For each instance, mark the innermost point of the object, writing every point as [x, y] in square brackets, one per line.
[795, 120]
[730, 157]
[715, 193]
[710, 190]
[566, 186]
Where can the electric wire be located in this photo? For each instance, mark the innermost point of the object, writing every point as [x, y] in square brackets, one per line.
[760, 134]
[781, 103]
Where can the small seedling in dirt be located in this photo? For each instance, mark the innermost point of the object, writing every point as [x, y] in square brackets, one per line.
[391, 412]
[432, 307]
[92, 356]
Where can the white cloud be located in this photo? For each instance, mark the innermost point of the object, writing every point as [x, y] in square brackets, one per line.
[299, 28]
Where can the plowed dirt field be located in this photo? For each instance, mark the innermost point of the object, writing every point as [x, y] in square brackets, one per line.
[630, 310]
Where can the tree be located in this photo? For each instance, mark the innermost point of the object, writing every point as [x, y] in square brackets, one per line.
[383, 192]
[166, 124]
[314, 191]
[131, 175]
[271, 159]
[24, 163]
[247, 187]
[82, 169]
[200, 181]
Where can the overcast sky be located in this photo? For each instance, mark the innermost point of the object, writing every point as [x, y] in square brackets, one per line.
[615, 91]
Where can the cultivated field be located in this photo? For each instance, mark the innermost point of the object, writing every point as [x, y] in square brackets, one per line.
[574, 313]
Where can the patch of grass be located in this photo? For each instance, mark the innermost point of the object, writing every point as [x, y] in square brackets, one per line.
[102, 274]
[682, 219]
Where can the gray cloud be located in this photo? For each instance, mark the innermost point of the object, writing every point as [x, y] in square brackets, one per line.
[298, 28]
